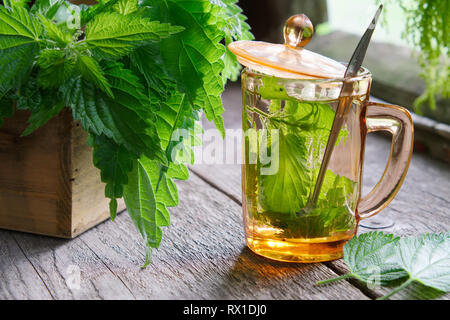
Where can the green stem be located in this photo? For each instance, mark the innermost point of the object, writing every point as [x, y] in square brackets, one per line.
[266, 115]
[270, 117]
[344, 276]
[404, 285]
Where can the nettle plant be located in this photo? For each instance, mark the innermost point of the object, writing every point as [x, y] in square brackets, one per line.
[133, 73]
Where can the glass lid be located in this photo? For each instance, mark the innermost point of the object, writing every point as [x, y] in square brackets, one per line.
[288, 60]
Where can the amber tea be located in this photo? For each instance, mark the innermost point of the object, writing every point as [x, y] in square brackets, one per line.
[285, 138]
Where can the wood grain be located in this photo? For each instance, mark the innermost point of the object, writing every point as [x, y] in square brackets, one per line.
[203, 256]
[58, 263]
[48, 184]
[35, 176]
[18, 278]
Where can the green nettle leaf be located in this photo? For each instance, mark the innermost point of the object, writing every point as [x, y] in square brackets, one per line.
[425, 259]
[302, 132]
[141, 204]
[47, 8]
[30, 97]
[235, 29]
[47, 110]
[55, 32]
[90, 70]
[43, 104]
[173, 108]
[173, 115]
[19, 37]
[17, 27]
[367, 256]
[16, 3]
[235, 20]
[127, 118]
[375, 257]
[149, 209]
[6, 109]
[147, 62]
[92, 11]
[115, 35]
[55, 68]
[194, 57]
[232, 68]
[126, 6]
[114, 162]
[88, 105]
[281, 192]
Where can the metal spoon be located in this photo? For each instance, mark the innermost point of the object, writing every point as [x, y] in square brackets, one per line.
[345, 102]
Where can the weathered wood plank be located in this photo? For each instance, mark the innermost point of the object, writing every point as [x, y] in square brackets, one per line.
[18, 278]
[70, 269]
[203, 256]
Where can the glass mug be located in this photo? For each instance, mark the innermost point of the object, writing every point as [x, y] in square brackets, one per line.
[286, 125]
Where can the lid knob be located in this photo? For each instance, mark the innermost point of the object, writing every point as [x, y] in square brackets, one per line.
[298, 30]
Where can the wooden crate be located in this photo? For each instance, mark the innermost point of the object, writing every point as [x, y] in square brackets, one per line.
[48, 184]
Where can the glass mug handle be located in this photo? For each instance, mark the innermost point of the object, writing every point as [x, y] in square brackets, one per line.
[397, 121]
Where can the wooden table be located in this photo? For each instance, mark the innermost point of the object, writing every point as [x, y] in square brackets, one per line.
[203, 254]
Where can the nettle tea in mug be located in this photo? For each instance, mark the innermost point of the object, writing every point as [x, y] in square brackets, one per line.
[290, 98]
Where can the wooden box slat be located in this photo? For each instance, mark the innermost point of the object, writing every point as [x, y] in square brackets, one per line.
[48, 184]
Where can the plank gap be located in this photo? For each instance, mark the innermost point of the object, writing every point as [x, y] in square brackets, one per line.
[355, 282]
[106, 265]
[215, 186]
[33, 266]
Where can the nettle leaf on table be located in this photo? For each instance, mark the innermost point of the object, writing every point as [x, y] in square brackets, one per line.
[425, 259]
[368, 258]
[377, 258]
